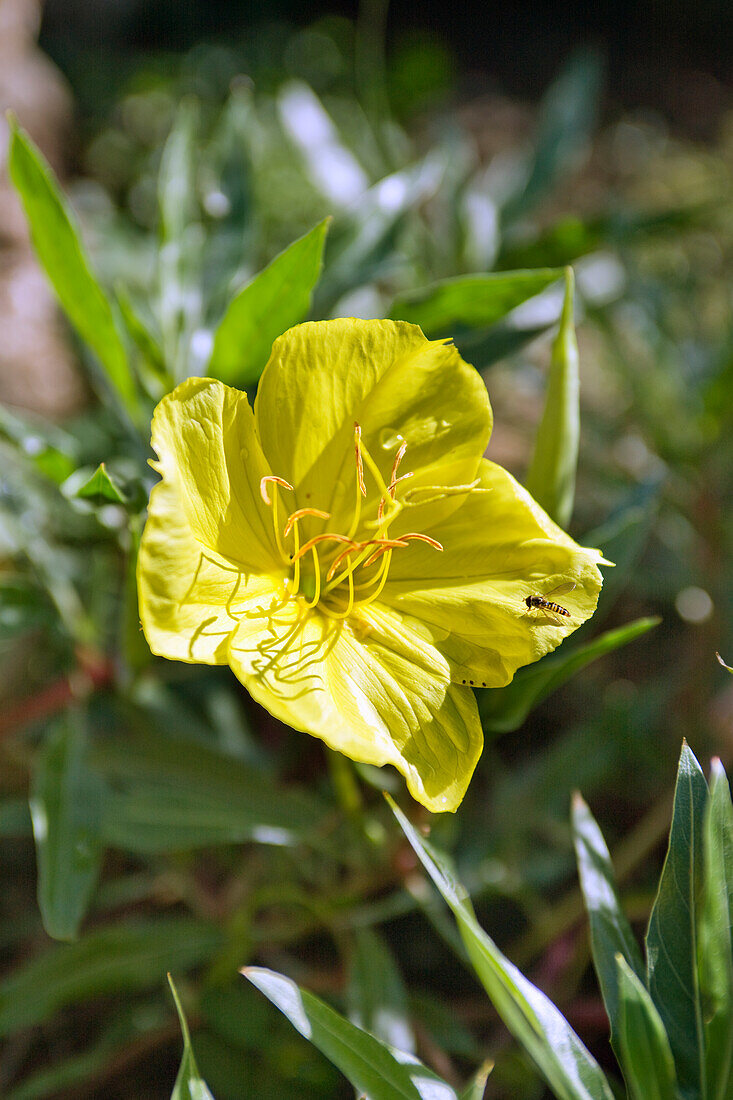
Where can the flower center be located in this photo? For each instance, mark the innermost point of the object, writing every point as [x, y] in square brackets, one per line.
[339, 571]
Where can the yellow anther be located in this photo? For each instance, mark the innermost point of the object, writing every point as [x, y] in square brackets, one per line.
[383, 547]
[277, 480]
[359, 461]
[295, 516]
[353, 548]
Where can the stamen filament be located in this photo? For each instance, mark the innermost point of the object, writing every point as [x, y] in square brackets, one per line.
[359, 463]
[317, 575]
[296, 559]
[384, 568]
[277, 481]
[350, 605]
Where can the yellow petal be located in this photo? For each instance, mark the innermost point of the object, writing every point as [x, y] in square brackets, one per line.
[385, 375]
[208, 450]
[371, 687]
[189, 596]
[498, 548]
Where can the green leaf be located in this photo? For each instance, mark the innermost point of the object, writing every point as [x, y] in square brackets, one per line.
[100, 489]
[51, 450]
[642, 1042]
[171, 795]
[476, 1087]
[475, 301]
[671, 941]
[371, 1066]
[59, 246]
[715, 947]
[610, 932]
[566, 121]
[275, 300]
[503, 710]
[568, 1068]
[189, 1083]
[66, 810]
[551, 475]
[376, 993]
[124, 957]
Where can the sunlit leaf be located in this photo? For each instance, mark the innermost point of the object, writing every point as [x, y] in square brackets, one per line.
[275, 300]
[505, 709]
[66, 809]
[476, 1087]
[58, 242]
[551, 475]
[372, 1067]
[641, 1040]
[672, 934]
[189, 1085]
[722, 662]
[715, 946]
[610, 931]
[100, 488]
[557, 1052]
[474, 301]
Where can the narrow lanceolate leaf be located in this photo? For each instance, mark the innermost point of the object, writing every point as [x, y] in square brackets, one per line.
[610, 931]
[671, 940]
[59, 246]
[373, 1068]
[376, 993]
[476, 1087]
[551, 475]
[275, 300]
[66, 810]
[503, 710]
[715, 948]
[566, 1065]
[474, 301]
[101, 488]
[641, 1040]
[189, 1085]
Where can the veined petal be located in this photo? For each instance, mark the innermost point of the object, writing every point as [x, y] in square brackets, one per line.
[208, 450]
[372, 687]
[322, 377]
[189, 596]
[498, 548]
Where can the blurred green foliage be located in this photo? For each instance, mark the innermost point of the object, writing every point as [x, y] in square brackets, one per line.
[178, 827]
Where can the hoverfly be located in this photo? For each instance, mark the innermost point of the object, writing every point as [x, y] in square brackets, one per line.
[544, 603]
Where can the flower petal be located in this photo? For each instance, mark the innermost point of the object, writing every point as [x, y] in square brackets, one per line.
[205, 438]
[189, 596]
[322, 377]
[371, 687]
[498, 548]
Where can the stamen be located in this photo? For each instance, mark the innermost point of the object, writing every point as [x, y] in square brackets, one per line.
[339, 558]
[396, 464]
[277, 480]
[296, 559]
[299, 513]
[359, 462]
[385, 545]
[439, 492]
[325, 537]
[421, 538]
[350, 605]
[384, 568]
[317, 575]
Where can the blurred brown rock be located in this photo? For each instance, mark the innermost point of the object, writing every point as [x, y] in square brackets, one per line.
[36, 365]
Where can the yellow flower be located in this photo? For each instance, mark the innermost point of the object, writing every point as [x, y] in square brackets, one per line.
[346, 548]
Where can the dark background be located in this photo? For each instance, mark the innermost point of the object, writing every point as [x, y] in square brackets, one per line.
[674, 56]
